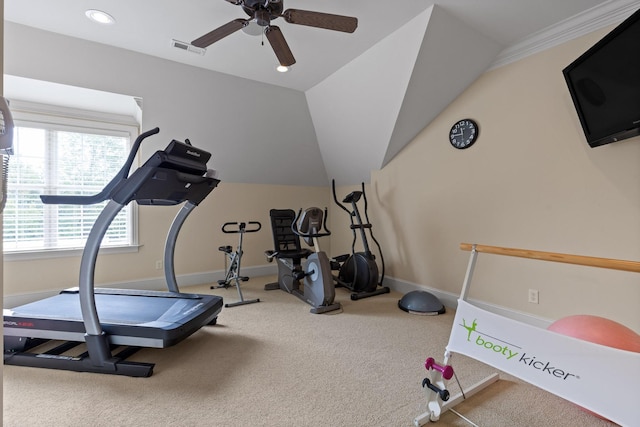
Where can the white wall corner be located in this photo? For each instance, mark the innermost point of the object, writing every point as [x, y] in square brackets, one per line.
[605, 14]
[442, 71]
[355, 109]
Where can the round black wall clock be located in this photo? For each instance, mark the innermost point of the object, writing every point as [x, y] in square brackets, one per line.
[464, 133]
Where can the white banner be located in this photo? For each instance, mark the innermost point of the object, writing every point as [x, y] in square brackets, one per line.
[602, 379]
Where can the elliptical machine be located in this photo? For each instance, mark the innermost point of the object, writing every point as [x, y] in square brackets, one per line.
[317, 281]
[358, 271]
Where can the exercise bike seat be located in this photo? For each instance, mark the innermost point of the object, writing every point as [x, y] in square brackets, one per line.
[226, 249]
[286, 242]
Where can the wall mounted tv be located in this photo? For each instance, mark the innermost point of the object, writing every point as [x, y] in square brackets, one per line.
[604, 83]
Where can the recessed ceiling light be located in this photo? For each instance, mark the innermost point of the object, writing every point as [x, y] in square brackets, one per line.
[282, 68]
[99, 16]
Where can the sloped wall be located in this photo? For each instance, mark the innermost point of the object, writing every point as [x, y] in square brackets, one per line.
[369, 110]
[231, 117]
[531, 182]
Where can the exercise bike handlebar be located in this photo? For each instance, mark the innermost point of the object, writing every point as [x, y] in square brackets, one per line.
[309, 234]
[103, 195]
[241, 227]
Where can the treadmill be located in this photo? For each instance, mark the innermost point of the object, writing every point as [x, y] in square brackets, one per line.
[89, 329]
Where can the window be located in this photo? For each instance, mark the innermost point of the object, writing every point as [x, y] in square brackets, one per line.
[66, 155]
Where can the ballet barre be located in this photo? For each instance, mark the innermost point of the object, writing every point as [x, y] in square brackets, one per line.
[557, 363]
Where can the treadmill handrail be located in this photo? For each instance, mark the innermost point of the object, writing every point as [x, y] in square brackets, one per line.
[103, 195]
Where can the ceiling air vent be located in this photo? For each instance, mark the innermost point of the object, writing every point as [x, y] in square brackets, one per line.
[187, 47]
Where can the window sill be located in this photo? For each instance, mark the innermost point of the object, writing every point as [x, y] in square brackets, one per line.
[64, 253]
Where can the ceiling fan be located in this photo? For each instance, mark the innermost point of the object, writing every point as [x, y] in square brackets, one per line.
[263, 12]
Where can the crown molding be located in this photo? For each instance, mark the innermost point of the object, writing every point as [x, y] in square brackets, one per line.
[608, 13]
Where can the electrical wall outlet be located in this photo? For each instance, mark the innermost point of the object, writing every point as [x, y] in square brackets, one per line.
[158, 265]
[533, 296]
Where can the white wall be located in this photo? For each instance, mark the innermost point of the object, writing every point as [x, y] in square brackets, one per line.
[229, 116]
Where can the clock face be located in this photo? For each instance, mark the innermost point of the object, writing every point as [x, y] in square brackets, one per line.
[464, 133]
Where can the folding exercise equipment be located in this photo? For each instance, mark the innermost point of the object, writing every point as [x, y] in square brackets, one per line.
[599, 378]
[104, 319]
[233, 259]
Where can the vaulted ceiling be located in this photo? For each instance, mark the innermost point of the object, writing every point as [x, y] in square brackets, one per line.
[402, 66]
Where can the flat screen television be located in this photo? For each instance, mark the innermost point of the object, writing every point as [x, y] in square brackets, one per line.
[604, 84]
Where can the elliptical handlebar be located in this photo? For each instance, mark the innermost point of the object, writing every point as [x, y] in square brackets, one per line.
[103, 195]
[241, 227]
[335, 198]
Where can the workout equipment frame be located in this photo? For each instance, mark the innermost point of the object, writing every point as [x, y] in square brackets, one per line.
[358, 271]
[287, 250]
[317, 285]
[234, 258]
[566, 366]
[318, 288]
[99, 318]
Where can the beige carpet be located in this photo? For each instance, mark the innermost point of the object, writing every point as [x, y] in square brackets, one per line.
[275, 364]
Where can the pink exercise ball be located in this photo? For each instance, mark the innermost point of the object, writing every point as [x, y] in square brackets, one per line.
[598, 330]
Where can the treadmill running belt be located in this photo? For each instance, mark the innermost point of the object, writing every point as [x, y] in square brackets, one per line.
[169, 319]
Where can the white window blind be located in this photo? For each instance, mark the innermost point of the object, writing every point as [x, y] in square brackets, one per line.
[64, 156]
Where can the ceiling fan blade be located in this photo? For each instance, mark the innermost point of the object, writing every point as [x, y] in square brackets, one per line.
[220, 33]
[280, 46]
[327, 21]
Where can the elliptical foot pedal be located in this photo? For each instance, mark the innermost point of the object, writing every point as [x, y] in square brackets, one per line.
[360, 295]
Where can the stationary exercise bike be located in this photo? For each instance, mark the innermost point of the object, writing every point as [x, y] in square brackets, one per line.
[358, 271]
[233, 258]
[318, 289]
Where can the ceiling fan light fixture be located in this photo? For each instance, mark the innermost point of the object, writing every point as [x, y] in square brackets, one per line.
[100, 17]
[282, 68]
[253, 29]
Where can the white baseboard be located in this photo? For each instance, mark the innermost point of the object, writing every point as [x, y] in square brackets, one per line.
[450, 300]
[152, 284]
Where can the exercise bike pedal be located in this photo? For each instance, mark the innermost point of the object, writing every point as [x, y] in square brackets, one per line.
[244, 278]
[302, 274]
[222, 284]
